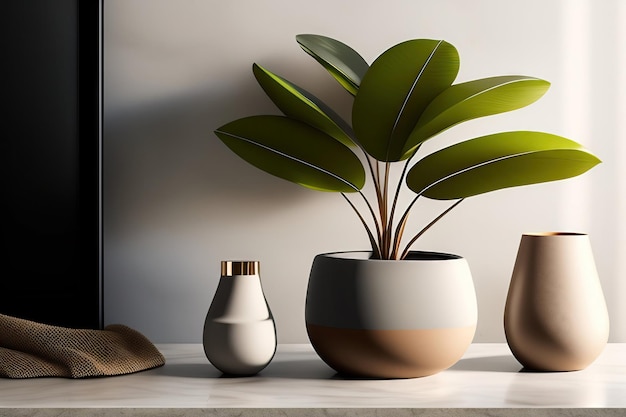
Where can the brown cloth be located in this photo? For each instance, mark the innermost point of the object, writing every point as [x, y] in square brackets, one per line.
[29, 350]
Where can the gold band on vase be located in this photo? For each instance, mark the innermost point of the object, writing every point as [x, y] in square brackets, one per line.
[230, 268]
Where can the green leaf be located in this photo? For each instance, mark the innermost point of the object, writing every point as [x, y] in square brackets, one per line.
[294, 151]
[341, 61]
[493, 162]
[396, 90]
[473, 99]
[299, 104]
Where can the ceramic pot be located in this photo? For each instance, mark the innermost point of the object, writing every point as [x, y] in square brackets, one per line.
[239, 335]
[390, 319]
[555, 317]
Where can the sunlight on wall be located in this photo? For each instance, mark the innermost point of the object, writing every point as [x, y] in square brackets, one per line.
[175, 203]
[620, 265]
[576, 76]
[593, 68]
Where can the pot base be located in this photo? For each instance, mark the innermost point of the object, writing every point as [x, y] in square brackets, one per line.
[390, 353]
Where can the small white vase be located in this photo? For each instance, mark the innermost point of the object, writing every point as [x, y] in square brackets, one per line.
[239, 335]
[555, 317]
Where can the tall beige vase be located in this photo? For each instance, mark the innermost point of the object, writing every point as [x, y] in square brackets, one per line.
[555, 318]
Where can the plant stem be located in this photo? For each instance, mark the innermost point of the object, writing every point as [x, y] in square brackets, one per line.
[401, 225]
[376, 180]
[373, 243]
[379, 201]
[374, 174]
[428, 226]
[384, 209]
[396, 240]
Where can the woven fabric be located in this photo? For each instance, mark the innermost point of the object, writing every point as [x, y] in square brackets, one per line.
[29, 350]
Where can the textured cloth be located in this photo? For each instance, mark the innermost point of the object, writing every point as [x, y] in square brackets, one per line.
[29, 349]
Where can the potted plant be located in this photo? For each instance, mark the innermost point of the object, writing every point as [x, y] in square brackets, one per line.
[390, 311]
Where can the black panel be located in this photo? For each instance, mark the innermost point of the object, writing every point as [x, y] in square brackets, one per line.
[51, 252]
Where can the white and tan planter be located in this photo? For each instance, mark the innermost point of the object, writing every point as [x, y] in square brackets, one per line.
[390, 319]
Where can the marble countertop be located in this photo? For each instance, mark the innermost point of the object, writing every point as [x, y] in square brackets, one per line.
[488, 376]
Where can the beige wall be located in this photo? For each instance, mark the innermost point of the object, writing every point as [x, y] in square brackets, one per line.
[177, 201]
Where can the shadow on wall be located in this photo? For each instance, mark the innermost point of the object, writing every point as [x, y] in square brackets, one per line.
[173, 192]
[163, 159]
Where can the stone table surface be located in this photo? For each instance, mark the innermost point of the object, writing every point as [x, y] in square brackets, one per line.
[487, 380]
